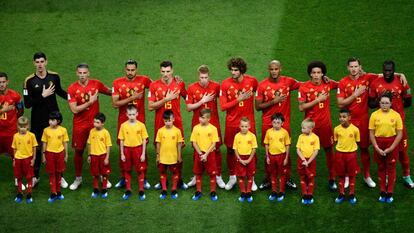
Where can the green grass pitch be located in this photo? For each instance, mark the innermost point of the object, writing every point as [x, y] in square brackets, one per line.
[107, 33]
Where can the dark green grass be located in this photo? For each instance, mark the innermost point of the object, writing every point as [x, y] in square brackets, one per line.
[106, 33]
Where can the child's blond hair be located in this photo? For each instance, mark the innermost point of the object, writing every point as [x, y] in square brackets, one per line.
[22, 121]
[308, 122]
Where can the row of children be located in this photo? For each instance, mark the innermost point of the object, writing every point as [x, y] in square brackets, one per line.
[385, 133]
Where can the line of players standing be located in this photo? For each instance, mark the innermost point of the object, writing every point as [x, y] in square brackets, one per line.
[357, 91]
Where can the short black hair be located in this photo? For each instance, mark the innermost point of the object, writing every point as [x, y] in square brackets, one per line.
[352, 59]
[132, 107]
[205, 111]
[278, 116]
[82, 65]
[167, 114]
[131, 62]
[389, 62]
[345, 110]
[386, 94]
[100, 117]
[56, 115]
[38, 55]
[166, 64]
[317, 64]
[3, 74]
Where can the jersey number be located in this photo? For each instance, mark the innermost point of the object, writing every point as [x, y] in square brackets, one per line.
[168, 105]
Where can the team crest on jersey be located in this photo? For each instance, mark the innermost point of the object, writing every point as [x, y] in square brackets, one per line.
[249, 142]
[59, 137]
[312, 143]
[173, 137]
[101, 139]
[280, 139]
[392, 120]
[36, 86]
[351, 135]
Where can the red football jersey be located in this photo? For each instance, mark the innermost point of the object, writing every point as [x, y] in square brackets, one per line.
[267, 91]
[398, 90]
[308, 92]
[346, 87]
[229, 92]
[157, 92]
[80, 94]
[124, 88]
[195, 93]
[8, 120]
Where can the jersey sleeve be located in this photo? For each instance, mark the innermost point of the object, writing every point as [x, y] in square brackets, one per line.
[147, 82]
[357, 135]
[102, 88]
[266, 139]
[215, 135]
[302, 95]
[115, 88]
[65, 135]
[151, 92]
[183, 91]
[189, 99]
[34, 140]
[259, 93]
[108, 140]
[399, 123]
[193, 135]
[294, 84]
[29, 98]
[121, 135]
[71, 95]
[58, 88]
[341, 90]
[317, 143]
[44, 135]
[254, 141]
[235, 143]
[287, 139]
[159, 136]
[13, 145]
[224, 104]
[335, 134]
[179, 136]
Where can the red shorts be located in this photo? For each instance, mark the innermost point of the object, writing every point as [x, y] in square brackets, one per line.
[22, 168]
[98, 166]
[174, 168]
[55, 162]
[362, 125]
[133, 158]
[209, 165]
[5, 145]
[325, 135]
[383, 143]
[276, 164]
[346, 163]
[80, 136]
[246, 170]
[309, 171]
